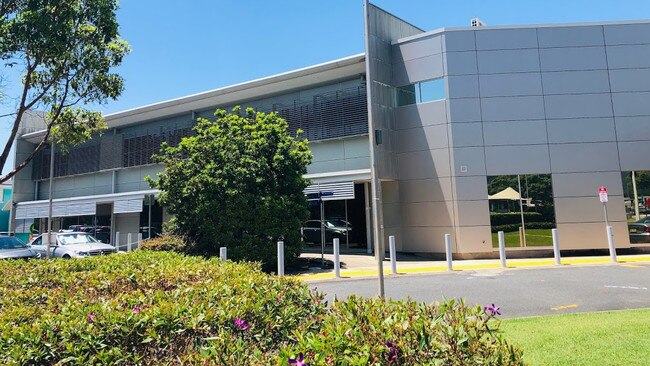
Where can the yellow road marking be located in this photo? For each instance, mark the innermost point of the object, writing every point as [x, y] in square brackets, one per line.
[572, 306]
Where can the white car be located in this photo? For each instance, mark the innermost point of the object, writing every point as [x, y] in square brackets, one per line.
[72, 245]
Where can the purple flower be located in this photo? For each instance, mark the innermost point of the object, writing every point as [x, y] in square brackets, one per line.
[136, 309]
[300, 361]
[393, 351]
[492, 310]
[241, 324]
[91, 318]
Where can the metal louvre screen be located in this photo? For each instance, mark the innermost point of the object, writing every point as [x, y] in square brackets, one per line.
[127, 206]
[339, 190]
[329, 115]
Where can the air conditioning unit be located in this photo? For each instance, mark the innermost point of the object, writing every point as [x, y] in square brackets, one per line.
[476, 22]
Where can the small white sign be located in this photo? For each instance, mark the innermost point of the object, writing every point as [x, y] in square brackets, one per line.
[602, 194]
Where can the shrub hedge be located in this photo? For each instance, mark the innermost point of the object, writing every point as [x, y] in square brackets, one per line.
[153, 308]
[167, 242]
[506, 218]
[529, 225]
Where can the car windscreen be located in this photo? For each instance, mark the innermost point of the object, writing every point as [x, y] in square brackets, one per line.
[70, 239]
[11, 242]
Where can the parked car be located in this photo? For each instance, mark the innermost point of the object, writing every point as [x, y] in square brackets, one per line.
[639, 231]
[72, 245]
[333, 229]
[13, 248]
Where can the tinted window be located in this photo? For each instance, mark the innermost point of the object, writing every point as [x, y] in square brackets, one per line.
[312, 224]
[11, 242]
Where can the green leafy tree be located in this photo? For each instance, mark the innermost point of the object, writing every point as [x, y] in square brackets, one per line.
[237, 182]
[63, 53]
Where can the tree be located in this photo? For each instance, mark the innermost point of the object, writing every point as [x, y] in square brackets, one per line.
[64, 52]
[237, 182]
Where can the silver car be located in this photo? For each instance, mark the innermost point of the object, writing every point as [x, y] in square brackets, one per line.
[72, 245]
[13, 248]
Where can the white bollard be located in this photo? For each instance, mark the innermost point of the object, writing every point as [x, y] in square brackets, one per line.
[128, 242]
[117, 241]
[610, 243]
[337, 258]
[556, 247]
[448, 252]
[502, 249]
[139, 240]
[393, 254]
[223, 254]
[280, 258]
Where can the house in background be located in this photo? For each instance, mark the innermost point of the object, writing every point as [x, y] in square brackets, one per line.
[5, 206]
[425, 115]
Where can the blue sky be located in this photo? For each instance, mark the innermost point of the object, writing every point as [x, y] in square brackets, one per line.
[186, 47]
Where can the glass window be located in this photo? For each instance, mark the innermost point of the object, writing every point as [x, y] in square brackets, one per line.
[70, 239]
[11, 242]
[421, 92]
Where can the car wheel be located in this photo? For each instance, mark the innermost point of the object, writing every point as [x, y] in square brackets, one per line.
[65, 256]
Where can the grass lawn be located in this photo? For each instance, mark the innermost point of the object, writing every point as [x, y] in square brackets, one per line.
[534, 238]
[604, 338]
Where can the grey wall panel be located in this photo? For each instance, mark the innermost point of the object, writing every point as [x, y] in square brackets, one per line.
[578, 106]
[357, 163]
[356, 147]
[581, 130]
[326, 151]
[509, 160]
[588, 209]
[424, 164]
[459, 41]
[571, 82]
[391, 215]
[426, 190]
[326, 166]
[471, 188]
[573, 58]
[130, 175]
[464, 110]
[460, 63]
[635, 155]
[470, 158]
[515, 132]
[631, 104]
[466, 134]
[570, 36]
[419, 115]
[625, 57]
[425, 239]
[426, 138]
[586, 184]
[425, 68]
[591, 235]
[587, 157]
[502, 85]
[474, 239]
[427, 214]
[627, 34]
[632, 128]
[512, 108]
[630, 80]
[416, 49]
[464, 86]
[127, 187]
[473, 213]
[493, 62]
[503, 39]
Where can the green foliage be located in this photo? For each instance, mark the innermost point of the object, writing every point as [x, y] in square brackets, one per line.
[167, 242]
[505, 218]
[237, 183]
[63, 53]
[515, 227]
[536, 186]
[157, 308]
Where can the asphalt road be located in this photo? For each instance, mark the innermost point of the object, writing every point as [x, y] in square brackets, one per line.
[519, 292]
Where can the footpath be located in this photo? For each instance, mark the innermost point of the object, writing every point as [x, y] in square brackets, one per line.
[364, 265]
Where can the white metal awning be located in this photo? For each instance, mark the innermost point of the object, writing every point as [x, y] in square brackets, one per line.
[338, 190]
[82, 206]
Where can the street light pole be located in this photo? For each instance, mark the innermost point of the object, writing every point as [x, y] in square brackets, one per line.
[49, 205]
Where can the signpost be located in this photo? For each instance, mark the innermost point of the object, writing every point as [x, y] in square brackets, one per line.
[317, 199]
[602, 195]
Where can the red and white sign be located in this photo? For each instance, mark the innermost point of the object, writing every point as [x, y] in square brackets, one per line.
[602, 194]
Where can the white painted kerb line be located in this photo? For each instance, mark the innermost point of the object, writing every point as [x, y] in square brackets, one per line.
[628, 287]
